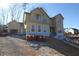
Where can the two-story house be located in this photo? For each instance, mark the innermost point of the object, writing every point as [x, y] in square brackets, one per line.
[37, 22]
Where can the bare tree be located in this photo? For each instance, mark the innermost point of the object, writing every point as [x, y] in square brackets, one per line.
[18, 14]
[12, 8]
[24, 8]
[3, 16]
[6, 18]
[16, 10]
[20, 8]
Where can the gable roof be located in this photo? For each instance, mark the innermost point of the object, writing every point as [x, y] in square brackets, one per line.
[16, 22]
[26, 13]
[58, 15]
[41, 10]
[12, 21]
[74, 28]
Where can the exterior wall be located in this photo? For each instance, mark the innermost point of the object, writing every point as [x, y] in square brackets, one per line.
[43, 21]
[43, 27]
[27, 17]
[16, 26]
[59, 27]
[13, 25]
[43, 17]
[52, 24]
[21, 28]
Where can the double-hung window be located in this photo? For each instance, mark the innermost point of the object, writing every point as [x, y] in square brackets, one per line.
[45, 20]
[33, 28]
[45, 28]
[39, 28]
[38, 16]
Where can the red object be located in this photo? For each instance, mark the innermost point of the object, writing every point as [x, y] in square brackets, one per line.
[35, 37]
[3, 34]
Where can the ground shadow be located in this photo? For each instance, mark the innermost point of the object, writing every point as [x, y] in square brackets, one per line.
[63, 48]
[16, 36]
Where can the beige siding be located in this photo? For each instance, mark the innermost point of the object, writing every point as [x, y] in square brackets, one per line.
[45, 22]
[31, 20]
[59, 23]
[43, 26]
[15, 25]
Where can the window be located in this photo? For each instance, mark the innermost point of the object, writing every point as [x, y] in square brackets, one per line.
[33, 28]
[37, 16]
[45, 28]
[59, 22]
[39, 28]
[45, 20]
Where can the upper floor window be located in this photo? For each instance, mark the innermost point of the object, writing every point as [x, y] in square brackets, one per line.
[37, 16]
[45, 20]
[59, 22]
[33, 28]
[39, 28]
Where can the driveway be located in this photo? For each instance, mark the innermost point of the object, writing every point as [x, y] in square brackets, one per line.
[10, 46]
[14, 47]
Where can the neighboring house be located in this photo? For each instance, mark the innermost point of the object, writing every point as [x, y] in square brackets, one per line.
[15, 27]
[71, 31]
[39, 23]
[3, 28]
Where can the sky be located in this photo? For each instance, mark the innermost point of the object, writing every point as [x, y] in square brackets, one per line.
[69, 11]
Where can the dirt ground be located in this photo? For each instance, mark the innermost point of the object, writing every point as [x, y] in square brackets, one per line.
[10, 46]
